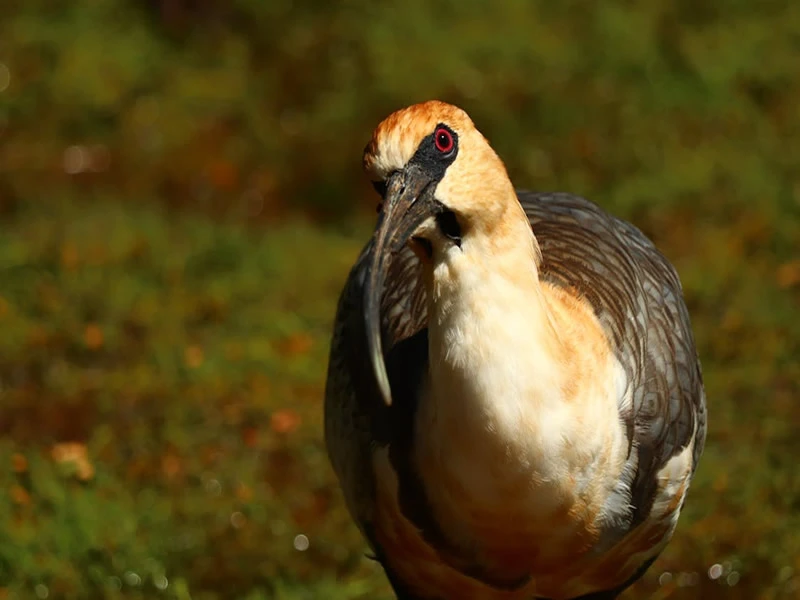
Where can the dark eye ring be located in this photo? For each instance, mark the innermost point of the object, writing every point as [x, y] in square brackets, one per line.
[443, 140]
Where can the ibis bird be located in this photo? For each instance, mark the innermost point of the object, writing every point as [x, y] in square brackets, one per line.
[514, 406]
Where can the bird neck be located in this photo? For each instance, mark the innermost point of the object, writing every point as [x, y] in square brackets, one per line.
[490, 324]
[519, 411]
[512, 359]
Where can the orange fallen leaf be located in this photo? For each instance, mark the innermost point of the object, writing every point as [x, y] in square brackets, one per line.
[250, 437]
[298, 344]
[284, 421]
[788, 274]
[583, 143]
[19, 495]
[93, 336]
[69, 256]
[3, 307]
[223, 175]
[171, 465]
[19, 462]
[38, 336]
[244, 492]
[75, 455]
[193, 356]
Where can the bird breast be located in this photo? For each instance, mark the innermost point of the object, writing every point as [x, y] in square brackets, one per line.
[519, 442]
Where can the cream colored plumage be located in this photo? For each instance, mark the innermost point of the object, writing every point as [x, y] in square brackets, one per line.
[514, 404]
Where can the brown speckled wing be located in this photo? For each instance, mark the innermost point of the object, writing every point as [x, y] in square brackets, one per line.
[637, 296]
[356, 419]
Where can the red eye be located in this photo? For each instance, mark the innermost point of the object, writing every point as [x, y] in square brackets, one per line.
[443, 140]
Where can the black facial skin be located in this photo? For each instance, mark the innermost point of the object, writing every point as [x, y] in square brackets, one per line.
[433, 162]
[380, 187]
[448, 225]
[408, 201]
[429, 156]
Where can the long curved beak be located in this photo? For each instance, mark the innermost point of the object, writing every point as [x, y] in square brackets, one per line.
[408, 202]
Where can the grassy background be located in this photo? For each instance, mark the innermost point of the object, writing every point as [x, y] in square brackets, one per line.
[180, 200]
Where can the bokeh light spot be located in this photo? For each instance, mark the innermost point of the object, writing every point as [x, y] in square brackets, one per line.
[76, 160]
[238, 520]
[301, 543]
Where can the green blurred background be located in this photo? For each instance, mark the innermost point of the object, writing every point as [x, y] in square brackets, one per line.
[180, 201]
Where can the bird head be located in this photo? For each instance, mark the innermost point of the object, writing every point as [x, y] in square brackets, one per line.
[438, 177]
[445, 193]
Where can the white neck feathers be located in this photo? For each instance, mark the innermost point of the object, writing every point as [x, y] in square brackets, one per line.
[522, 390]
